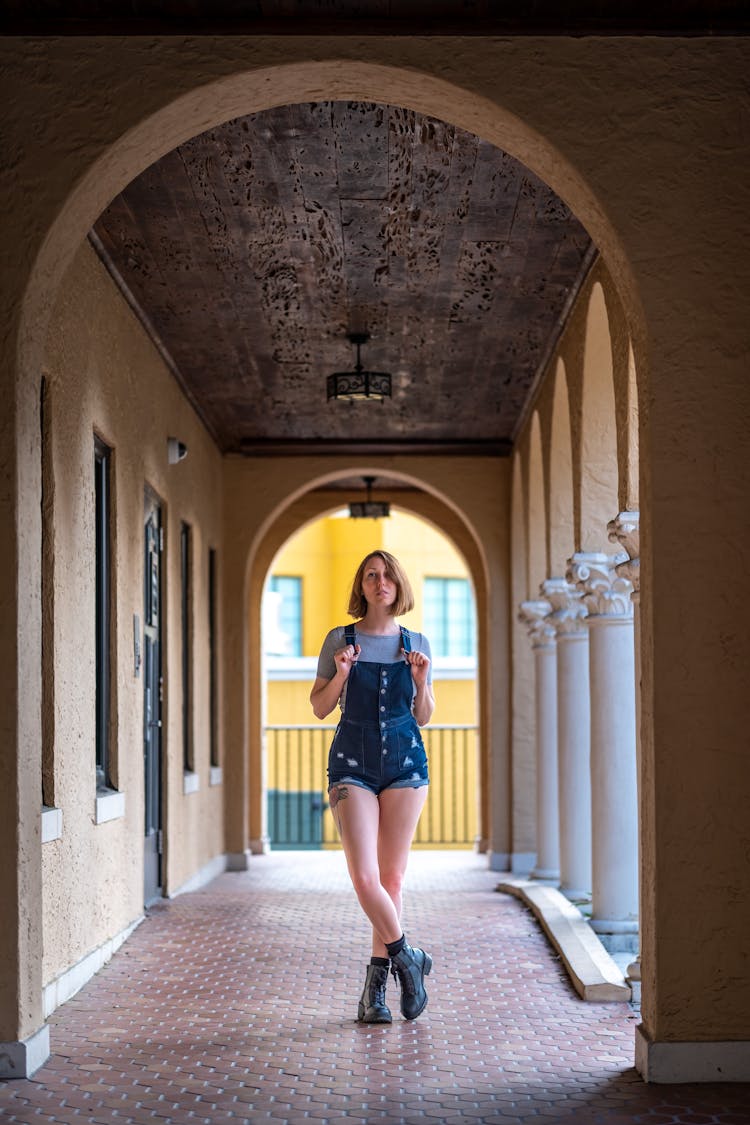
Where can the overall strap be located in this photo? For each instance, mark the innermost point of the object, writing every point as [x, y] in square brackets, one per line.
[406, 638]
[350, 637]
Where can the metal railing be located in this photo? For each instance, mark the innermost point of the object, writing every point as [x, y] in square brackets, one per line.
[298, 813]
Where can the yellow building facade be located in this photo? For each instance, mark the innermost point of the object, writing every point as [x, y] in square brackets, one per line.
[314, 570]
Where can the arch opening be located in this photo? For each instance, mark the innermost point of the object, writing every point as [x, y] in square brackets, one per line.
[305, 595]
[305, 505]
[597, 472]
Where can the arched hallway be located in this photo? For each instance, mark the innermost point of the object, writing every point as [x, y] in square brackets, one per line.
[237, 1003]
[92, 407]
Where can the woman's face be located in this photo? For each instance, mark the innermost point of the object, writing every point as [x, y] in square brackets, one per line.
[378, 588]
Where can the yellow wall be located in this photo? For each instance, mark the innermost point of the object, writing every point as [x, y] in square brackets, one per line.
[326, 554]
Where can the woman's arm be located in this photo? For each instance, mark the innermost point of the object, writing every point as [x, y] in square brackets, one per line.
[424, 705]
[424, 700]
[325, 693]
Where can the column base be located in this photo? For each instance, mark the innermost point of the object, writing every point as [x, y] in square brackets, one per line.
[549, 874]
[521, 863]
[22, 1058]
[668, 1062]
[633, 977]
[579, 897]
[238, 861]
[498, 861]
[617, 936]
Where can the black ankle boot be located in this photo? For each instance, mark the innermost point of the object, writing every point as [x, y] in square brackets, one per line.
[410, 967]
[372, 1006]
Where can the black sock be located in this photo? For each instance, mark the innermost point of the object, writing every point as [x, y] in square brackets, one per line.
[381, 961]
[395, 947]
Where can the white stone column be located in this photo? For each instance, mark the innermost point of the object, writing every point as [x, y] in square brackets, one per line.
[625, 530]
[573, 737]
[533, 614]
[614, 805]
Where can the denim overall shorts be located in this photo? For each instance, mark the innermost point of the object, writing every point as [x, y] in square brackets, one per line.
[377, 744]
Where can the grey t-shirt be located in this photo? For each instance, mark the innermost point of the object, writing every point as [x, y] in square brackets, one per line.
[376, 650]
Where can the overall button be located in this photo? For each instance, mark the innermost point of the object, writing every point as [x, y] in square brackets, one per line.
[382, 708]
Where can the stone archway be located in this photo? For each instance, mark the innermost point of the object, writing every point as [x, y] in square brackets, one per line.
[183, 92]
[91, 112]
[288, 518]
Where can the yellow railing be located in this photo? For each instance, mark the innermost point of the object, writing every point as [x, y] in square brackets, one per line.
[298, 813]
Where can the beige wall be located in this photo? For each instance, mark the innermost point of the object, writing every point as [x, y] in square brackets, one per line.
[646, 140]
[104, 376]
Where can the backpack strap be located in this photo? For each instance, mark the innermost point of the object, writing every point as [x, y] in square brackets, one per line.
[406, 638]
[350, 636]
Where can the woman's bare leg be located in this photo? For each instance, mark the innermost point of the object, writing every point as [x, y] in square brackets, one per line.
[399, 813]
[357, 814]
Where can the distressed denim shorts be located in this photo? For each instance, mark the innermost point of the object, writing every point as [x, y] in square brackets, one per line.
[378, 756]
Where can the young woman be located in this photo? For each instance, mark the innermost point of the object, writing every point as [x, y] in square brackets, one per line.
[380, 674]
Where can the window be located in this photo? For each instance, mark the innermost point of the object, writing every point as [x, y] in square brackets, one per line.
[449, 619]
[284, 616]
[185, 613]
[102, 617]
[212, 685]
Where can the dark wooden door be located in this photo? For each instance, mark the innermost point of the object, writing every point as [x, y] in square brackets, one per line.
[152, 701]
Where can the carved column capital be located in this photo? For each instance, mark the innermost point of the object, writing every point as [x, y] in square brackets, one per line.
[534, 615]
[606, 593]
[569, 612]
[624, 529]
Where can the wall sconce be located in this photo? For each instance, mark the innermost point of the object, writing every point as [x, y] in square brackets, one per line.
[176, 450]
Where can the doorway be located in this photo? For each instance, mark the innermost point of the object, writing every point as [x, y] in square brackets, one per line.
[152, 700]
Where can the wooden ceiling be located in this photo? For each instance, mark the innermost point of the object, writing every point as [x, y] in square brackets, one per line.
[250, 251]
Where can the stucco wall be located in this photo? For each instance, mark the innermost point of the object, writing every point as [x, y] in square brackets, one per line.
[104, 376]
[646, 140]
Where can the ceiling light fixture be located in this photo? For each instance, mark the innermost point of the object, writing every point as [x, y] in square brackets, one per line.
[359, 384]
[369, 509]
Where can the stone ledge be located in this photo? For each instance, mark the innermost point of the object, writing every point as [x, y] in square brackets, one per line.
[51, 824]
[191, 782]
[110, 805]
[594, 974]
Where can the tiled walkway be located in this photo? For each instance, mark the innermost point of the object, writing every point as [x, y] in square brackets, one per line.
[237, 1003]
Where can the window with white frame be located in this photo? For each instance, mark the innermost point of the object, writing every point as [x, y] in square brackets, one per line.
[283, 616]
[449, 617]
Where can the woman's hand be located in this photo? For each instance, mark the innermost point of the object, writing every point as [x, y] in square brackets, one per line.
[346, 657]
[325, 694]
[420, 666]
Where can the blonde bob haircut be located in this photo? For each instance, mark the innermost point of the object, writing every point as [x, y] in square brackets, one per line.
[393, 569]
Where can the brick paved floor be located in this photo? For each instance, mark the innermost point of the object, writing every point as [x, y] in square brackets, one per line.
[238, 1003]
